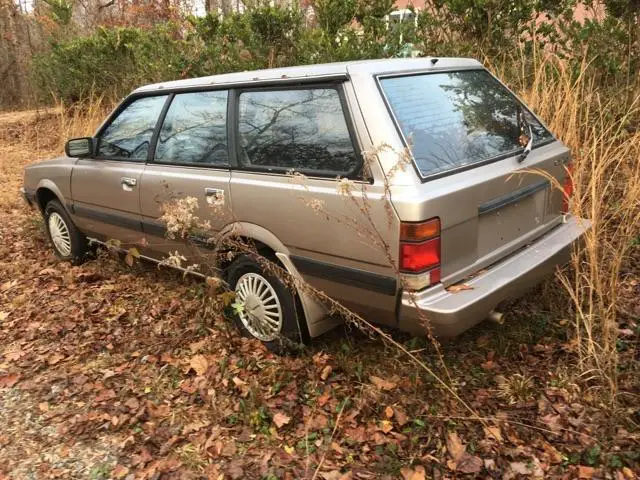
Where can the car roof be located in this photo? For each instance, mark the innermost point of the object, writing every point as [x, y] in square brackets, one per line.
[319, 71]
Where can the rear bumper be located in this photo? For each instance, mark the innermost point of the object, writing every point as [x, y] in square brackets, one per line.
[452, 313]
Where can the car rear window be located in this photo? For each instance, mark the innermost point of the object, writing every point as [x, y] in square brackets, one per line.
[456, 119]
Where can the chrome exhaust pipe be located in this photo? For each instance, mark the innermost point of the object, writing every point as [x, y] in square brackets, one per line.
[497, 317]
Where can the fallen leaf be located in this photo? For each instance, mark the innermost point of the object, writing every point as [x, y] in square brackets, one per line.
[585, 472]
[229, 449]
[132, 254]
[520, 468]
[382, 384]
[238, 382]
[400, 416]
[336, 475]
[489, 464]
[9, 380]
[119, 471]
[493, 433]
[417, 473]
[388, 412]
[48, 271]
[158, 411]
[132, 403]
[356, 434]
[335, 446]
[459, 287]
[55, 358]
[469, 464]
[554, 456]
[289, 449]
[195, 347]
[168, 445]
[318, 422]
[105, 395]
[386, 426]
[326, 371]
[199, 364]
[455, 447]
[235, 471]
[324, 398]
[462, 461]
[13, 353]
[554, 422]
[280, 419]
[195, 426]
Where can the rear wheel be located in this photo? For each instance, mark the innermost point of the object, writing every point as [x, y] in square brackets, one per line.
[68, 242]
[265, 306]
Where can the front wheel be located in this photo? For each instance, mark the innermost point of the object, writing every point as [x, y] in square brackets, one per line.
[265, 306]
[68, 242]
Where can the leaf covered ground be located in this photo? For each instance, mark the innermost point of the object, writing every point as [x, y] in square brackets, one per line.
[108, 371]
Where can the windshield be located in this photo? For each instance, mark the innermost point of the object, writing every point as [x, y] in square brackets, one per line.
[456, 119]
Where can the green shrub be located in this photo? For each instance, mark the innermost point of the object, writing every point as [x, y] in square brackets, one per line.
[112, 61]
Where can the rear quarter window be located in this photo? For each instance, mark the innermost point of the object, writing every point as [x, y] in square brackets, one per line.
[301, 129]
[451, 120]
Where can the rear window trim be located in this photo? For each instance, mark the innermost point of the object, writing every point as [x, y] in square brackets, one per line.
[462, 168]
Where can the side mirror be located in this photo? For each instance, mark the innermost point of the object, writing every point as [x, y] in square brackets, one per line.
[79, 147]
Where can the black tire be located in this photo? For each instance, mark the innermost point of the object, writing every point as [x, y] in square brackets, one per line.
[290, 337]
[78, 242]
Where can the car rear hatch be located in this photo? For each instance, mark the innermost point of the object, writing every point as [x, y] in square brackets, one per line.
[488, 166]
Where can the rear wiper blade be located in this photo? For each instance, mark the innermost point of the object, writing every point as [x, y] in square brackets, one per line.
[522, 122]
[527, 150]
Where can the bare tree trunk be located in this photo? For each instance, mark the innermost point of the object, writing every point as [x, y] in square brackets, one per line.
[211, 6]
[227, 6]
[9, 74]
[20, 37]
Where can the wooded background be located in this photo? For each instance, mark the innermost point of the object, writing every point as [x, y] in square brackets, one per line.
[65, 50]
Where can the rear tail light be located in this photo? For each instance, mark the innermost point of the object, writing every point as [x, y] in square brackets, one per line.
[567, 188]
[420, 253]
[418, 257]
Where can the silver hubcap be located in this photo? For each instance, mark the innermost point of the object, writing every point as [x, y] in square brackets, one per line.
[60, 234]
[262, 313]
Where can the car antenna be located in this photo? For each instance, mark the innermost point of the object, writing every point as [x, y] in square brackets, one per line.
[434, 61]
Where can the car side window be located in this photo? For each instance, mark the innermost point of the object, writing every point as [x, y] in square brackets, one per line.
[128, 136]
[300, 129]
[194, 130]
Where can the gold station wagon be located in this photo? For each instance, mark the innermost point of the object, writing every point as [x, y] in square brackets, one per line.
[473, 201]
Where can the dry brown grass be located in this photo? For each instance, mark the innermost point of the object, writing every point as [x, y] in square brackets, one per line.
[81, 120]
[605, 147]
[32, 135]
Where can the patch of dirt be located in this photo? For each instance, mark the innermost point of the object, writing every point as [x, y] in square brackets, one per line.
[38, 449]
[26, 116]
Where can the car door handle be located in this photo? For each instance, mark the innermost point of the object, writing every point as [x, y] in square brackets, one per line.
[128, 183]
[214, 195]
